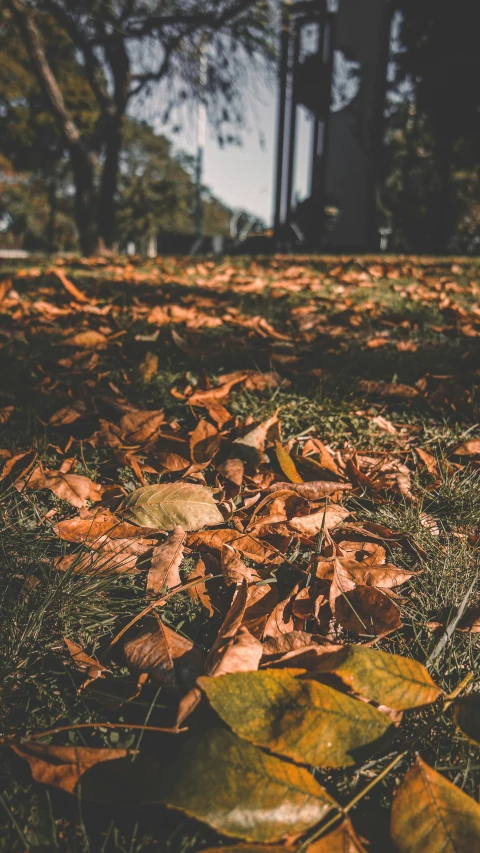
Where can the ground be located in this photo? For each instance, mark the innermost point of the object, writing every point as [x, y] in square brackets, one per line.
[362, 376]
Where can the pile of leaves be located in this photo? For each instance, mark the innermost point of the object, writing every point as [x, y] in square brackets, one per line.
[240, 504]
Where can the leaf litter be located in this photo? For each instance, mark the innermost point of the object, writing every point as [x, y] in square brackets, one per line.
[277, 537]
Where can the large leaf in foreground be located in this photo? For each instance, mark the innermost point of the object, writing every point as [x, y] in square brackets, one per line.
[430, 815]
[168, 505]
[392, 680]
[305, 720]
[241, 791]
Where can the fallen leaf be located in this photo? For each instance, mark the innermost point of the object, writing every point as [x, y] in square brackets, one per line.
[328, 519]
[90, 525]
[315, 490]
[69, 286]
[168, 657]
[168, 505]
[5, 414]
[343, 839]
[138, 427]
[241, 791]
[388, 390]
[304, 720]
[387, 679]
[233, 568]
[428, 460]
[242, 654]
[148, 368]
[62, 766]
[74, 488]
[254, 549]
[429, 813]
[287, 464]
[166, 560]
[68, 414]
[89, 339]
[251, 446]
[467, 448]
[84, 662]
[367, 611]
[204, 443]
[199, 592]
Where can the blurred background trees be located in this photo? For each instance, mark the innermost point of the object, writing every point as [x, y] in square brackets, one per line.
[78, 170]
[432, 149]
[120, 50]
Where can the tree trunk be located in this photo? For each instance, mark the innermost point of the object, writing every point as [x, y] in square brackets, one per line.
[118, 60]
[108, 184]
[52, 210]
[85, 219]
[81, 158]
[443, 213]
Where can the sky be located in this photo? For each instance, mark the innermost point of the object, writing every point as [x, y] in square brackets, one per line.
[242, 177]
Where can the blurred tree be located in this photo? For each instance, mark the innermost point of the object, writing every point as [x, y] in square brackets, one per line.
[434, 134]
[35, 180]
[125, 48]
[156, 190]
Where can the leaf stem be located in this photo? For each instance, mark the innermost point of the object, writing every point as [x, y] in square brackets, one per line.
[74, 726]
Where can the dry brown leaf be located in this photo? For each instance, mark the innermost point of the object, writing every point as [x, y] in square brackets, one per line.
[84, 662]
[199, 592]
[428, 460]
[168, 657]
[325, 458]
[138, 427]
[471, 447]
[92, 524]
[74, 488]
[214, 395]
[234, 569]
[366, 610]
[148, 368]
[343, 839]
[315, 490]
[166, 560]
[204, 443]
[249, 546]
[329, 518]
[280, 620]
[62, 766]
[69, 286]
[388, 390]
[261, 600]
[6, 413]
[68, 414]
[242, 654]
[89, 339]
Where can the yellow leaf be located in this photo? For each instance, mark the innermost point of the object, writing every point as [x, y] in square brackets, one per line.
[430, 815]
[287, 464]
[241, 791]
[302, 719]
